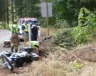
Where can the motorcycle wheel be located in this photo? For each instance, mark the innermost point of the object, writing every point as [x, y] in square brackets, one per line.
[7, 62]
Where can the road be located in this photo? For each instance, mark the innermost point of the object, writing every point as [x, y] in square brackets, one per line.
[4, 34]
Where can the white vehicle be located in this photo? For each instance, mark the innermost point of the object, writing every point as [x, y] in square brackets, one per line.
[20, 33]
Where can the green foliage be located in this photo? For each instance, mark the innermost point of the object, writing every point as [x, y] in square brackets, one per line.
[51, 21]
[86, 26]
[66, 10]
[2, 9]
[62, 9]
[80, 34]
[83, 33]
[83, 16]
[76, 65]
[42, 22]
[69, 9]
[87, 1]
[61, 23]
[63, 38]
[27, 8]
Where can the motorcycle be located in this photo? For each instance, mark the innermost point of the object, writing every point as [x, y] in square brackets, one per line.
[19, 58]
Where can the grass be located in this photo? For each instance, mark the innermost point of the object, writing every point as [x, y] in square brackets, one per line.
[50, 30]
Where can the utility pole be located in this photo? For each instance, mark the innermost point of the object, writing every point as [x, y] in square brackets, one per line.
[46, 11]
[47, 17]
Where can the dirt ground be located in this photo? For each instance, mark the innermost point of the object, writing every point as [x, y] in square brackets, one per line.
[82, 53]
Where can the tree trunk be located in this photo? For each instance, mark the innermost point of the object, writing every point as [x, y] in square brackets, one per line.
[7, 12]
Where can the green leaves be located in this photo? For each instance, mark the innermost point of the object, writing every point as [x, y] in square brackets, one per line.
[86, 25]
[27, 8]
[63, 38]
[76, 65]
[2, 9]
[80, 34]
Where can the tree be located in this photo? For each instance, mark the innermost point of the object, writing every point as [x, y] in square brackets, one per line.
[2, 9]
[69, 9]
[27, 8]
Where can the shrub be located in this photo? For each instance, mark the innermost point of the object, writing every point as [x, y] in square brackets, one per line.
[63, 38]
[86, 27]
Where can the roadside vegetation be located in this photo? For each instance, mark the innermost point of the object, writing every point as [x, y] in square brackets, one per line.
[72, 49]
[84, 33]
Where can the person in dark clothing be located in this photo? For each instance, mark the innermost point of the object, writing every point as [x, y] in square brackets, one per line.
[34, 33]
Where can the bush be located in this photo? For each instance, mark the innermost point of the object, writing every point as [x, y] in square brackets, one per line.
[61, 24]
[86, 27]
[63, 38]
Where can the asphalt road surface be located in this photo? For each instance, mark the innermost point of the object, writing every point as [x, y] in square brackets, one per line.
[4, 34]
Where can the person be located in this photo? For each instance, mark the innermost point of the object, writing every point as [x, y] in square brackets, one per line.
[14, 36]
[34, 32]
[25, 32]
[35, 46]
